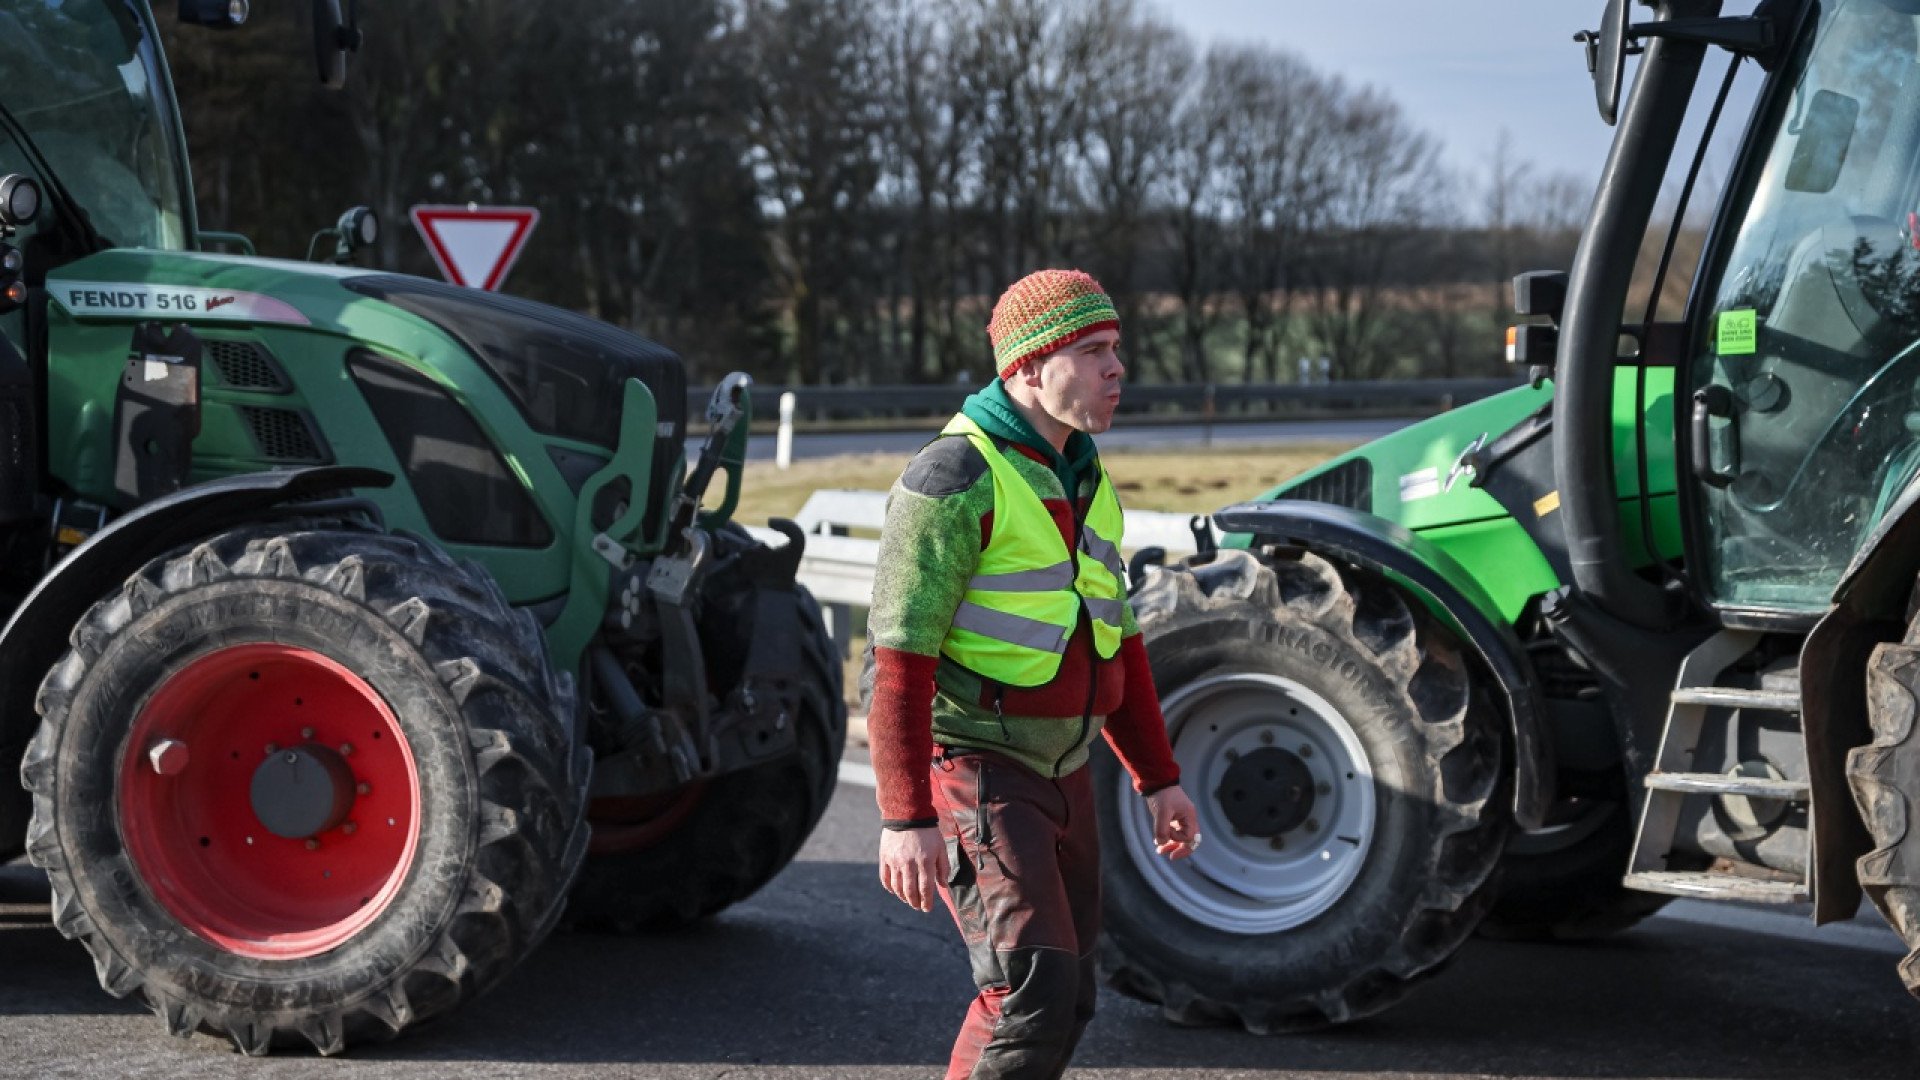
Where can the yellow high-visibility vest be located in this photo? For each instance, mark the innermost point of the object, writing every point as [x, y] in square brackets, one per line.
[1025, 597]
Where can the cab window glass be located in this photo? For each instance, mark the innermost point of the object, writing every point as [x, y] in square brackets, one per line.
[83, 80]
[1809, 320]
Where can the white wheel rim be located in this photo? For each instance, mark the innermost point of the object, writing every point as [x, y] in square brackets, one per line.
[1246, 884]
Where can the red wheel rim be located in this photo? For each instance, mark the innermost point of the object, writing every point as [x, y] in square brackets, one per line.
[192, 827]
[634, 824]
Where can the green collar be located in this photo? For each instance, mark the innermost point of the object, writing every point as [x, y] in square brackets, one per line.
[994, 411]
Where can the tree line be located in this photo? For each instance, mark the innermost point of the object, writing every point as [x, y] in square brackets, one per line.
[834, 191]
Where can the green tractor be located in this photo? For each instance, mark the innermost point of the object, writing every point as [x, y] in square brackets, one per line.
[1644, 629]
[362, 628]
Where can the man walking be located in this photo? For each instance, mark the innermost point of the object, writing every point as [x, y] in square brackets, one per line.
[1003, 644]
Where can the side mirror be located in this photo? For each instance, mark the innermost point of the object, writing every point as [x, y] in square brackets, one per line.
[333, 38]
[1607, 57]
[219, 14]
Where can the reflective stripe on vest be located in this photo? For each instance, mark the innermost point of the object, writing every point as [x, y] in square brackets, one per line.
[1103, 550]
[1006, 626]
[1025, 598]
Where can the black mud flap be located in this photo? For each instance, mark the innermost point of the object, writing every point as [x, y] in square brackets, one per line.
[156, 413]
[756, 720]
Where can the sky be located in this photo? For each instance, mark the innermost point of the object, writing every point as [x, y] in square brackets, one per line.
[1462, 69]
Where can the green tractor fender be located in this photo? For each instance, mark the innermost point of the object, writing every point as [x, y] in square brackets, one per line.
[36, 635]
[1416, 565]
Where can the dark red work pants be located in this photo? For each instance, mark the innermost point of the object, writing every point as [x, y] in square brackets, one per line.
[1023, 884]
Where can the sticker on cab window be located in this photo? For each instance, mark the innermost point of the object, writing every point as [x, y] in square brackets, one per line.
[1737, 333]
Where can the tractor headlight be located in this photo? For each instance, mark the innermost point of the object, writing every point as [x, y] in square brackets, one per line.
[19, 200]
[359, 227]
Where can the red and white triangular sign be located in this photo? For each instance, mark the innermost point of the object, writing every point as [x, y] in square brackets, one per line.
[475, 245]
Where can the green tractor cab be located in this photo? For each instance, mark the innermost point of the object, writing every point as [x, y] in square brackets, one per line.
[1642, 629]
[360, 628]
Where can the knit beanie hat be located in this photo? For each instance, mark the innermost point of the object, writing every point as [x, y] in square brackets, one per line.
[1046, 311]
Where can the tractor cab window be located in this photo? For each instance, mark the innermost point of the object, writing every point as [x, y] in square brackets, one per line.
[1808, 316]
[84, 78]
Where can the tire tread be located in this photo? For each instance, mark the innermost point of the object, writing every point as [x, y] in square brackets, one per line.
[1458, 733]
[457, 617]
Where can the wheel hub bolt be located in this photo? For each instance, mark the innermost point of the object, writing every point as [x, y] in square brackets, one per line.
[348, 828]
[273, 748]
[1277, 844]
[346, 748]
[1313, 824]
[1233, 755]
[167, 756]
[362, 788]
[1305, 750]
[1267, 737]
[312, 844]
[306, 733]
[1322, 788]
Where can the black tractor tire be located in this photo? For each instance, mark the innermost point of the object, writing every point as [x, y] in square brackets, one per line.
[742, 827]
[1421, 876]
[1885, 776]
[1562, 883]
[498, 830]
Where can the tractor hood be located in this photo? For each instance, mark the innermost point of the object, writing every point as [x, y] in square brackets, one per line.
[1419, 476]
[563, 371]
[132, 284]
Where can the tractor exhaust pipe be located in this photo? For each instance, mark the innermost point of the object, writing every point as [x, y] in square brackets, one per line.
[1590, 327]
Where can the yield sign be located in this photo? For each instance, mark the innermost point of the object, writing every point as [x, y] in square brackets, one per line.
[475, 245]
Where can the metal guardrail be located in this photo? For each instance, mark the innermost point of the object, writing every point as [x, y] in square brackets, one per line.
[1222, 400]
[838, 568]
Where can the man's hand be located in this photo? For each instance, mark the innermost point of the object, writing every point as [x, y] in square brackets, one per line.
[1176, 826]
[913, 863]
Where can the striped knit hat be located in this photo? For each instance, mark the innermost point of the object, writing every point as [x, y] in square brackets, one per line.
[1044, 312]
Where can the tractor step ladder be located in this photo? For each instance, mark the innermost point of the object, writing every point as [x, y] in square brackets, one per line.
[1672, 780]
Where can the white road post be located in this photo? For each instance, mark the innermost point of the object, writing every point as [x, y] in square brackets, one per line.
[783, 442]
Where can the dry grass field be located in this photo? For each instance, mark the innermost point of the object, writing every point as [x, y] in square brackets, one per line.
[1183, 481]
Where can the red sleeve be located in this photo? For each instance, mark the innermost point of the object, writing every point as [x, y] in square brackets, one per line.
[1136, 730]
[900, 735]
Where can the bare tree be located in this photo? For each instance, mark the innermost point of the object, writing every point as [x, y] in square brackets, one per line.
[934, 124]
[1140, 65]
[1382, 184]
[1509, 183]
[1196, 193]
[816, 120]
[1029, 61]
[1280, 115]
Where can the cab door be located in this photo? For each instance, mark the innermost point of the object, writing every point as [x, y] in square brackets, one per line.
[1801, 418]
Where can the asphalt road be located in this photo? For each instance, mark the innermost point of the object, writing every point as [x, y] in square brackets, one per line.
[823, 976]
[828, 444]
